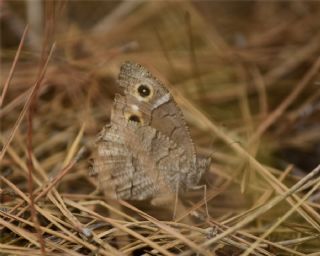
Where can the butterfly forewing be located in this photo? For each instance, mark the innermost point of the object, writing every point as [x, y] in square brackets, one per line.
[165, 116]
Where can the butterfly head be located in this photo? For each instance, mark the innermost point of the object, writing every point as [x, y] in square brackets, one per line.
[139, 83]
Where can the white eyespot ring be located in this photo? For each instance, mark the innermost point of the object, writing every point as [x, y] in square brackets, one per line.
[143, 91]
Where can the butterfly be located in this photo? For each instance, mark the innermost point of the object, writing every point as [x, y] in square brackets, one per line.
[146, 149]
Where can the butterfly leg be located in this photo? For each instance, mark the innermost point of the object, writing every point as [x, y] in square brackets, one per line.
[204, 187]
[167, 200]
[176, 201]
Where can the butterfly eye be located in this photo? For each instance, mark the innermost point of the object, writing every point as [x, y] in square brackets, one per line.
[134, 118]
[144, 90]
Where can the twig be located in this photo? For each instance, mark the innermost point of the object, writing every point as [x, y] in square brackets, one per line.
[264, 208]
[286, 103]
[282, 219]
[26, 106]
[6, 84]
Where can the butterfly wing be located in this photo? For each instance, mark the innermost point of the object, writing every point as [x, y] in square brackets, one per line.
[152, 101]
[136, 161]
[151, 98]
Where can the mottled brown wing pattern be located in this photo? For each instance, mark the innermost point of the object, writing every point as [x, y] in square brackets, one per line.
[136, 162]
[147, 148]
[161, 111]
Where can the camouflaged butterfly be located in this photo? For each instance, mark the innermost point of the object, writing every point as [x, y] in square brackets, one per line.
[146, 150]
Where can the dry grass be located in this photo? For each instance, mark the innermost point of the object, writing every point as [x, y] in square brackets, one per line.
[247, 78]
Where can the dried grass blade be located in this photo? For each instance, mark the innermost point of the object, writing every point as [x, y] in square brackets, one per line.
[26, 106]
[6, 85]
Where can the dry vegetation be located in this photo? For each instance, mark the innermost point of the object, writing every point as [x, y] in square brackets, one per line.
[246, 75]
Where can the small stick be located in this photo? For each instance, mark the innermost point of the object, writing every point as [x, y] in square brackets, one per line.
[16, 57]
[264, 208]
